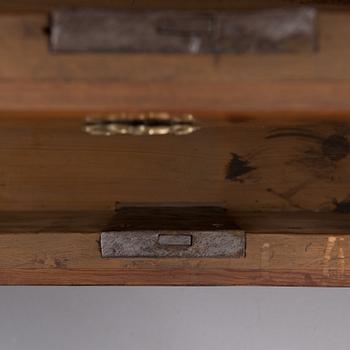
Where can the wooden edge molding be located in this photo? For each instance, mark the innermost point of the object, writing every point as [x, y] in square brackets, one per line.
[167, 277]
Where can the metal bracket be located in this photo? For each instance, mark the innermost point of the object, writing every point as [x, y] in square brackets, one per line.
[258, 31]
[173, 232]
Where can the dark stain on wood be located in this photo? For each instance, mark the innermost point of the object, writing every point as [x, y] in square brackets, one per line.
[343, 206]
[318, 166]
[237, 168]
[321, 152]
[335, 147]
[322, 160]
[171, 217]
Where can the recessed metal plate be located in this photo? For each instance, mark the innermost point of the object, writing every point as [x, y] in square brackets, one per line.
[173, 244]
[269, 31]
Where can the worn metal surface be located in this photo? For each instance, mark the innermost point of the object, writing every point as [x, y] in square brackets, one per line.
[166, 239]
[204, 244]
[172, 230]
[270, 31]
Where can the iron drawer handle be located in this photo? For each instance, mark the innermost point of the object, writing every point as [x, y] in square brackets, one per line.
[151, 123]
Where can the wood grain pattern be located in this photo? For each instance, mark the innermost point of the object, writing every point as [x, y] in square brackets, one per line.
[305, 98]
[272, 259]
[248, 165]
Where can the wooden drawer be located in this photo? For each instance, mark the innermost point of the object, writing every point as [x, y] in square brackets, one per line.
[271, 145]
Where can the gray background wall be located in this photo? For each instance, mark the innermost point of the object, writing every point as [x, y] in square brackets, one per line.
[133, 318]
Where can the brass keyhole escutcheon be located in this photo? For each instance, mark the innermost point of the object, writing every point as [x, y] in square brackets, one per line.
[140, 124]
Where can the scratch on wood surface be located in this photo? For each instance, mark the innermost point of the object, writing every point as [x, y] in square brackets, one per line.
[266, 257]
[330, 149]
[286, 197]
[328, 255]
[341, 259]
[307, 247]
[304, 134]
[334, 258]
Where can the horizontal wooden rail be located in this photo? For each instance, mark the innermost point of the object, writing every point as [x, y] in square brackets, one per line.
[35, 79]
[271, 259]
